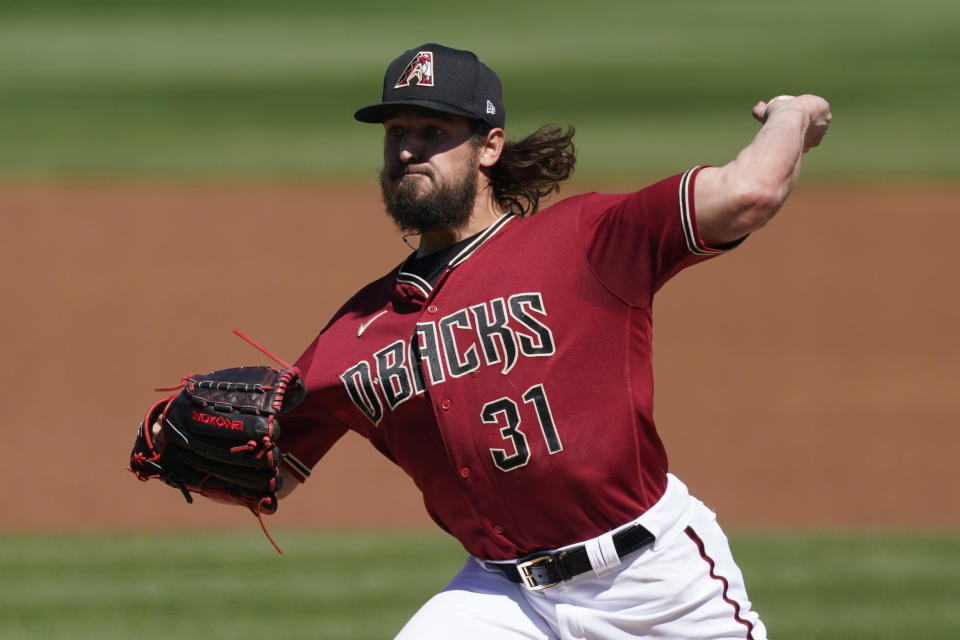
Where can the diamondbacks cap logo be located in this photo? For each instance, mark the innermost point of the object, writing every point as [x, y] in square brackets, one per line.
[420, 68]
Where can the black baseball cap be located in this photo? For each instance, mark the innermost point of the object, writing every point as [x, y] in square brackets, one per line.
[443, 79]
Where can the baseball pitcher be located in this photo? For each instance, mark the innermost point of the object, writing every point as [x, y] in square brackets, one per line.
[506, 366]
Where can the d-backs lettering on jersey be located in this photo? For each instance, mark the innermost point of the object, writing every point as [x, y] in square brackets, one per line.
[496, 332]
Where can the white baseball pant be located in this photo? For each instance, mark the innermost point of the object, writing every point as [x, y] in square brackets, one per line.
[685, 586]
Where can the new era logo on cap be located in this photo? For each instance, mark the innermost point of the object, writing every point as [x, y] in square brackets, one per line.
[419, 69]
[492, 110]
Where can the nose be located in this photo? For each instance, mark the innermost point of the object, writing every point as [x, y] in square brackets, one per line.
[407, 155]
[409, 147]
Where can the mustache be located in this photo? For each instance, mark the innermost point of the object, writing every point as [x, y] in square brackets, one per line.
[411, 170]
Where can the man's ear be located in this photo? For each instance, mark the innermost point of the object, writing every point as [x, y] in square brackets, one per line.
[492, 147]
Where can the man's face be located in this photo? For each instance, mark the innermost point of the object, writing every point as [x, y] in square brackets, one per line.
[430, 168]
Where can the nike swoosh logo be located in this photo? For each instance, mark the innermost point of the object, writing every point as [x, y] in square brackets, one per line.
[363, 327]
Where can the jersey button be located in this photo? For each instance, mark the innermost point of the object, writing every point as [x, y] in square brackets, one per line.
[464, 472]
[432, 308]
[445, 405]
[497, 529]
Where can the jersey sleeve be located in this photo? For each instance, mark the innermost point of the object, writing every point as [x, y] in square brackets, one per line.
[307, 432]
[305, 439]
[635, 242]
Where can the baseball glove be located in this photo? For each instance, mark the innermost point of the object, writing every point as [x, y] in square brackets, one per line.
[217, 437]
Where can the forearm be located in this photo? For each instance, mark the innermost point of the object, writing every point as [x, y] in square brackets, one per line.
[770, 164]
[740, 197]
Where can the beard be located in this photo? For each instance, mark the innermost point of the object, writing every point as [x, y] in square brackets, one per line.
[447, 205]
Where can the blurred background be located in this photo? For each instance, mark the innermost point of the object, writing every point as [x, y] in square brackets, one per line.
[172, 170]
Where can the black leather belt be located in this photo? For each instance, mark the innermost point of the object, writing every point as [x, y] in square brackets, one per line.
[548, 568]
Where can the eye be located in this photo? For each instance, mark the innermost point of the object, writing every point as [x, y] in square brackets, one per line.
[394, 131]
[434, 132]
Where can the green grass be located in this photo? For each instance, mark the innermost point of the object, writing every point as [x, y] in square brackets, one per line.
[214, 587]
[242, 88]
[365, 585]
[876, 586]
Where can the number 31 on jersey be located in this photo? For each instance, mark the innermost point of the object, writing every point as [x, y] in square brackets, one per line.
[505, 412]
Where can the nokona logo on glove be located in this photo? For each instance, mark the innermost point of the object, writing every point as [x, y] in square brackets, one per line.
[217, 421]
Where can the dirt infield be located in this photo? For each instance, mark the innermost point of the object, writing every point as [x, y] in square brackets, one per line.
[807, 379]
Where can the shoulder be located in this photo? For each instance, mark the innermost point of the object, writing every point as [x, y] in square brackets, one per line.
[668, 191]
[366, 302]
[575, 204]
[369, 298]
[568, 209]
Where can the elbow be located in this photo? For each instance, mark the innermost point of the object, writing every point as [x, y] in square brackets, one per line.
[757, 205]
[731, 206]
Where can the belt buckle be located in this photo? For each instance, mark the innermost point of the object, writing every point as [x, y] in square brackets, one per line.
[528, 580]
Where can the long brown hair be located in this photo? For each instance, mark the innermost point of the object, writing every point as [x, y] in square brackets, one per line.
[532, 168]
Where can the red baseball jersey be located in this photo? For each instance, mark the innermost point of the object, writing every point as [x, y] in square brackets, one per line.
[517, 391]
